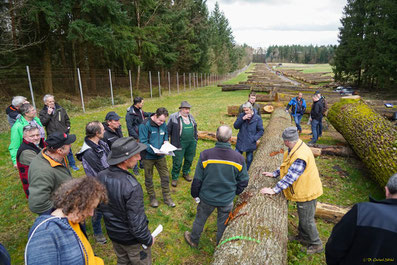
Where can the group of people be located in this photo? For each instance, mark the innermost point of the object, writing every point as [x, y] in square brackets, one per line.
[318, 111]
[111, 191]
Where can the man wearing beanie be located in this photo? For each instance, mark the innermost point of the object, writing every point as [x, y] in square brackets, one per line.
[300, 182]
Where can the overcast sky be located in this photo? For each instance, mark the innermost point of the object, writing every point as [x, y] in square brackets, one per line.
[260, 23]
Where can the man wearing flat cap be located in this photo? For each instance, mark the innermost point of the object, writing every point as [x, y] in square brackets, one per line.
[48, 170]
[112, 128]
[300, 182]
[124, 215]
[182, 131]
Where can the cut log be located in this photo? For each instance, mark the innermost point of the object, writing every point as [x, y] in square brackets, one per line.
[260, 224]
[268, 109]
[211, 136]
[329, 212]
[373, 138]
[343, 151]
[265, 108]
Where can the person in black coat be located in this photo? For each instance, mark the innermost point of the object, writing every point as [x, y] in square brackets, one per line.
[112, 128]
[125, 218]
[135, 117]
[316, 115]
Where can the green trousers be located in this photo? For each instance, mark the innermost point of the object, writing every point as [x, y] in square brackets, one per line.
[161, 166]
[188, 152]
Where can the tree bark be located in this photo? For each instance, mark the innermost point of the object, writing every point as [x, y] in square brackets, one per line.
[47, 69]
[373, 138]
[259, 217]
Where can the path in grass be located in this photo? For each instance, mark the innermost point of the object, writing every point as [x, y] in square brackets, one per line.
[209, 109]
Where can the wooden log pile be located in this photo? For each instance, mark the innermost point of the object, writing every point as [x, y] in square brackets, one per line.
[373, 138]
[257, 233]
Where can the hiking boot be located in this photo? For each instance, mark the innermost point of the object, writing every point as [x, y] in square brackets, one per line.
[187, 177]
[169, 202]
[153, 202]
[298, 238]
[101, 239]
[313, 249]
[311, 143]
[75, 168]
[189, 240]
[174, 183]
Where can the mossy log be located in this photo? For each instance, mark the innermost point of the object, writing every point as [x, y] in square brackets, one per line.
[373, 138]
[260, 221]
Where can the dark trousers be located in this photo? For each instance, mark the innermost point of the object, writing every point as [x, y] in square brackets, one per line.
[315, 130]
[96, 222]
[249, 157]
[132, 254]
[203, 212]
[188, 152]
[161, 166]
[307, 226]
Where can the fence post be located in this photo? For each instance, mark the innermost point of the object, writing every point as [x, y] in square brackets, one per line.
[129, 75]
[150, 83]
[190, 81]
[30, 86]
[184, 83]
[169, 84]
[111, 86]
[197, 80]
[158, 78]
[177, 81]
[201, 76]
[194, 80]
[81, 89]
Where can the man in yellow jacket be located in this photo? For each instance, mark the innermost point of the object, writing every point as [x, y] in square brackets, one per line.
[300, 182]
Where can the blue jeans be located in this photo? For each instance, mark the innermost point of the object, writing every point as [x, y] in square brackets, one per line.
[297, 119]
[96, 222]
[249, 157]
[315, 130]
[71, 160]
[320, 127]
[203, 212]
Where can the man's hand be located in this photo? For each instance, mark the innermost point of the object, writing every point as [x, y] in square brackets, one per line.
[154, 240]
[268, 174]
[247, 116]
[267, 190]
[16, 166]
[49, 111]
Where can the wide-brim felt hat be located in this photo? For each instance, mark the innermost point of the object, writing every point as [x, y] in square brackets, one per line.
[185, 104]
[124, 148]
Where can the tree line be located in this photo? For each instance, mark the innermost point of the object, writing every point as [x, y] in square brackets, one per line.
[141, 35]
[299, 54]
[367, 51]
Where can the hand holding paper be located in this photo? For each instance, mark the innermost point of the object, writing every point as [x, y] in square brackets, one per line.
[155, 233]
[166, 149]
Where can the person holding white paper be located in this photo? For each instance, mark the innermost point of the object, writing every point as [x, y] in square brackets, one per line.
[153, 132]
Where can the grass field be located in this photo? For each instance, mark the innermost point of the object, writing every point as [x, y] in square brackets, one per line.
[308, 68]
[209, 109]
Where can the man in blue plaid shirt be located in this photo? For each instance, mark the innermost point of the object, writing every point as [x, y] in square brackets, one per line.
[300, 182]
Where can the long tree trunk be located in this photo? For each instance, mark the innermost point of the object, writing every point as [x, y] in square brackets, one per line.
[373, 138]
[47, 69]
[258, 232]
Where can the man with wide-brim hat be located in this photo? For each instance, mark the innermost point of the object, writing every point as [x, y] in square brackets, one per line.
[182, 131]
[48, 170]
[124, 215]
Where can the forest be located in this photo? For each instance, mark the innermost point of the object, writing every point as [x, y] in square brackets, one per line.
[367, 51]
[300, 54]
[139, 35]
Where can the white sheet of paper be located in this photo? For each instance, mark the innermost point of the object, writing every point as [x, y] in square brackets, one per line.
[166, 149]
[155, 233]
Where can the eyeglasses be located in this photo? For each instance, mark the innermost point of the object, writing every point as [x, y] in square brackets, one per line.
[30, 127]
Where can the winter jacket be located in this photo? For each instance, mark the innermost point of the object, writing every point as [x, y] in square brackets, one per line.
[57, 121]
[221, 174]
[94, 156]
[12, 114]
[297, 106]
[45, 176]
[134, 118]
[124, 214]
[250, 131]
[53, 241]
[317, 110]
[17, 136]
[152, 134]
[26, 153]
[367, 234]
[174, 128]
[111, 136]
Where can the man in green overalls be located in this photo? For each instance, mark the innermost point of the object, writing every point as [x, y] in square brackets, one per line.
[182, 132]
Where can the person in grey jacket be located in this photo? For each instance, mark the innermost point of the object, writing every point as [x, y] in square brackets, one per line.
[182, 131]
[94, 154]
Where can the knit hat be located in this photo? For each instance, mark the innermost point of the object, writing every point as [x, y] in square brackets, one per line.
[290, 134]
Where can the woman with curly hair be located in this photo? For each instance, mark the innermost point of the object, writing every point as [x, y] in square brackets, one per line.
[57, 238]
